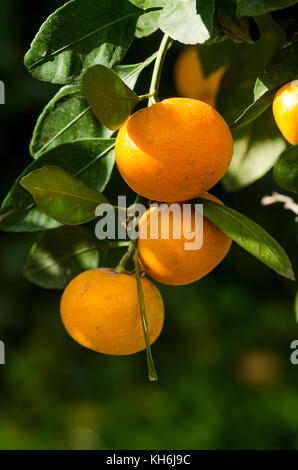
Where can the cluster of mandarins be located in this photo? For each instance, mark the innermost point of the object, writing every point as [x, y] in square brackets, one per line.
[173, 151]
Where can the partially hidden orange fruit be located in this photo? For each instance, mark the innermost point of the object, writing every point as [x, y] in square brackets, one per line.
[100, 310]
[175, 150]
[189, 77]
[285, 111]
[167, 260]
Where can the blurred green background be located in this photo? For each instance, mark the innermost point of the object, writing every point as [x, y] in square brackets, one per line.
[226, 381]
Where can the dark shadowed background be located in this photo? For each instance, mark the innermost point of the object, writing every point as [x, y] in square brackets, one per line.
[223, 359]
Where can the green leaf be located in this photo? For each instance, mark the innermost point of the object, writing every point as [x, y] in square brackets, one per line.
[250, 236]
[260, 7]
[61, 254]
[62, 196]
[111, 100]
[256, 149]
[286, 169]
[238, 29]
[147, 24]
[182, 23]
[68, 116]
[282, 68]
[254, 110]
[145, 4]
[80, 34]
[236, 91]
[92, 160]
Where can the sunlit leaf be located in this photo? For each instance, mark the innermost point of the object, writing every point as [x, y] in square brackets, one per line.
[250, 236]
[182, 23]
[80, 34]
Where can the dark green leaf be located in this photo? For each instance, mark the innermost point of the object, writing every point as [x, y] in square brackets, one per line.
[68, 116]
[62, 196]
[260, 7]
[254, 110]
[92, 160]
[61, 254]
[282, 68]
[236, 91]
[80, 34]
[255, 152]
[286, 169]
[238, 29]
[182, 23]
[111, 100]
[250, 236]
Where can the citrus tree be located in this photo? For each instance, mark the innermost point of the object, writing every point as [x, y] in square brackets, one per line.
[239, 57]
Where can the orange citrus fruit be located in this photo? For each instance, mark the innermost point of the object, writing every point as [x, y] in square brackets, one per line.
[189, 77]
[285, 111]
[100, 310]
[174, 150]
[167, 260]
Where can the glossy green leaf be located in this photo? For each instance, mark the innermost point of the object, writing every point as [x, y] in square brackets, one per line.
[286, 169]
[80, 34]
[61, 254]
[260, 7]
[91, 160]
[256, 149]
[182, 23]
[283, 67]
[250, 236]
[68, 116]
[111, 100]
[149, 22]
[62, 196]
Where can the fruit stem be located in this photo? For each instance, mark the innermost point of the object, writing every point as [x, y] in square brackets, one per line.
[130, 250]
[156, 75]
[150, 362]
[126, 257]
[148, 95]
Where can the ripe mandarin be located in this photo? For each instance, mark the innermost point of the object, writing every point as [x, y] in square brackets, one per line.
[189, 77]
[167, 260]
[174, 150]
[285, 111]
[100, 310]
